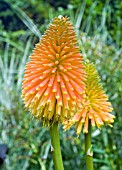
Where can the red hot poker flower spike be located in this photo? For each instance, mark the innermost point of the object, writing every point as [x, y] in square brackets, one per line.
[53, 85]
[96, 108]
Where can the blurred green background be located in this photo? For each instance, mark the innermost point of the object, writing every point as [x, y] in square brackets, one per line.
[98, 25]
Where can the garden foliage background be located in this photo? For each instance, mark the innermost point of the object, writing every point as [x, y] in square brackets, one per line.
[98, 25]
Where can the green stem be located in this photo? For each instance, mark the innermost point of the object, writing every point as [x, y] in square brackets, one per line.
[56, 151]
[88, 150]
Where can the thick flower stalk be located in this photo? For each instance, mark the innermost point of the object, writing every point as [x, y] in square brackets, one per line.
[53, 85]
[96, 108]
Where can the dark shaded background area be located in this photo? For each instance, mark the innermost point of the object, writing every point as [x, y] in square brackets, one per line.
[38, 11]
[98, 25]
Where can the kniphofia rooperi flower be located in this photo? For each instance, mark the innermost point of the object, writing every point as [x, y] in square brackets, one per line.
[53, 85]
[96, 108]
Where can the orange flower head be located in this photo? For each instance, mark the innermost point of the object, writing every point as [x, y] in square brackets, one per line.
[53, 85]
[96, 109]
